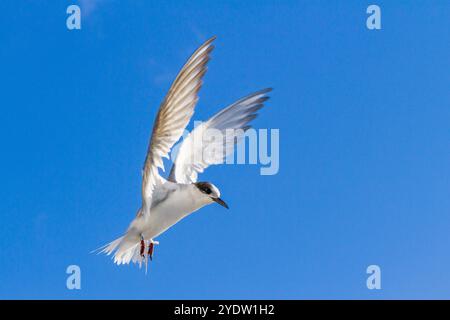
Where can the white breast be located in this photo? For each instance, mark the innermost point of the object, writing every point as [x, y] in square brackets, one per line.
[171, 203]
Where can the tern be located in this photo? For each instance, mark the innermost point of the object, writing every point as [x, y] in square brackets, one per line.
[167, 201]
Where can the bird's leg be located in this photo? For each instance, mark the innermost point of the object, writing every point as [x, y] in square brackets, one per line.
[142, 246]
[150, 251]
[151, 248]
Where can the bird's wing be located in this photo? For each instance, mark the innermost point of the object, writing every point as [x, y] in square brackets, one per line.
[191, 158]
[173, 116]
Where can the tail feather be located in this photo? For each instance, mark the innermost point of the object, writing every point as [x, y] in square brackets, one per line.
[126, 249]
[109, 247]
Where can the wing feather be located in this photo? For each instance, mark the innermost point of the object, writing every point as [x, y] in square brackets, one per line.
[191, 158]
[173, 116]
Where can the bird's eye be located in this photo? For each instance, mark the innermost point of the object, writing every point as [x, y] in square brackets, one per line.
[207, 190]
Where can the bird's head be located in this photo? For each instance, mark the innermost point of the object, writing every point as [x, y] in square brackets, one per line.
[210, 192]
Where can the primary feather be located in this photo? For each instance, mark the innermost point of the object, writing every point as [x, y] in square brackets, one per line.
[173, 116]
[231, 123]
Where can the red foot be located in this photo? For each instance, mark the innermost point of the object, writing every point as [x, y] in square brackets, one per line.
[150, 250]
[142, 247]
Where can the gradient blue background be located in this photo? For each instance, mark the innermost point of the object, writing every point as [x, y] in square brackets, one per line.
[364, 148]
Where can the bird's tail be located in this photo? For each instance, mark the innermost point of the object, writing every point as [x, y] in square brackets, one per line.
[125, 249]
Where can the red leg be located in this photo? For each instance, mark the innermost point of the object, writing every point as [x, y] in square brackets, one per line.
[142, 247]
[150, 250]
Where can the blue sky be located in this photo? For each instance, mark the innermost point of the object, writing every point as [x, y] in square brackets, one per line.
[364, 148]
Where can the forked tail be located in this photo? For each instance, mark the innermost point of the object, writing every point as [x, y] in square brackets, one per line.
[126, 249]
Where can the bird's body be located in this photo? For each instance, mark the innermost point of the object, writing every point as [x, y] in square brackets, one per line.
[171, 203]
[167, 201]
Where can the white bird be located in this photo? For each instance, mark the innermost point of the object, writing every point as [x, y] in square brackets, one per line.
[167, 201]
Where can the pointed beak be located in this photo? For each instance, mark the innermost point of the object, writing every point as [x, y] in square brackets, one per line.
[221, 202]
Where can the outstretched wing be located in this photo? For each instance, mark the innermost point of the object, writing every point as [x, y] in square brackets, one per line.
[173, 116]
[191, 158]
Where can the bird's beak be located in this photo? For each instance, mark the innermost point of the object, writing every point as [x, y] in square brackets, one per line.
[221, 202]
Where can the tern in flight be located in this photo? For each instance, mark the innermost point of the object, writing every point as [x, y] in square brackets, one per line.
[167, 201]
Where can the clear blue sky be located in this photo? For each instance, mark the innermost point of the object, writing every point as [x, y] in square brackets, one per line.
[364, 148]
